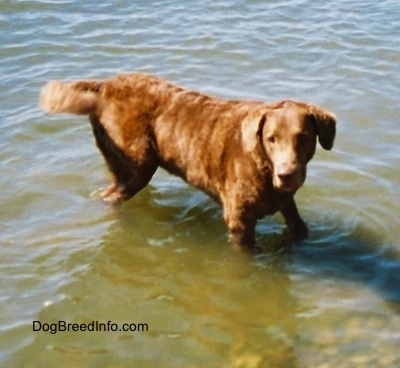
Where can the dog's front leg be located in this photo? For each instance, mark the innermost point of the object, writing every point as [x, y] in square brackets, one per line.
[295, 223]
[241, 229]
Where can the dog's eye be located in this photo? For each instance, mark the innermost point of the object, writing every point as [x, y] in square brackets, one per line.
[271, 139]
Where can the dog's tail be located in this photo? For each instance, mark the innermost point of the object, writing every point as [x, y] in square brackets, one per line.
[77, 98]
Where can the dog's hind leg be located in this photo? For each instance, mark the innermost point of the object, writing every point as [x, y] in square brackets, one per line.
[125, 187]
[131, 172]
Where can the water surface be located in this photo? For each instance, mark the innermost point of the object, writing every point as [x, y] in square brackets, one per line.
[163, 259]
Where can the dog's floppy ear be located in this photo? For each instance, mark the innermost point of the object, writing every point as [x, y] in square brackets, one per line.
[325, 124]
[252, 127]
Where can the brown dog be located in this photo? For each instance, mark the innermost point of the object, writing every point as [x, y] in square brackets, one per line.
[249, 156]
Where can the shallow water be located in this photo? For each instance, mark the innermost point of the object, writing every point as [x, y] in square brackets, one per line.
[163, 259]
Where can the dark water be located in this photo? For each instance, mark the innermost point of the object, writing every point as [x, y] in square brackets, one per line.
[163, 260]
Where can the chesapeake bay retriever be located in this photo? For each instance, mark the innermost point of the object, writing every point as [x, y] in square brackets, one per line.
[249, 156]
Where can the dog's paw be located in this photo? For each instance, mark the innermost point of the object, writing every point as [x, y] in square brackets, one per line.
[113, 195]
[299, 231]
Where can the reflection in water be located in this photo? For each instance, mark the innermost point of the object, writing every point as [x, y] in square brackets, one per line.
[353, 253]
[202, 300]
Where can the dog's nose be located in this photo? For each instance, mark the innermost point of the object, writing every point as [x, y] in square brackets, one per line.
[286, 178]
[286, 173]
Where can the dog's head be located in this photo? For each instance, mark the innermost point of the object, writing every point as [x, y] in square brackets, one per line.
[285, 136]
